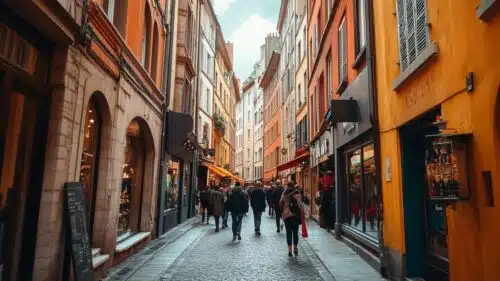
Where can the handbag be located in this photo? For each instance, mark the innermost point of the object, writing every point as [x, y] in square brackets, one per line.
[305, 234]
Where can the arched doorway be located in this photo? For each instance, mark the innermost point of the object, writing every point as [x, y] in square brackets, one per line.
[90, 157]
[137, 177]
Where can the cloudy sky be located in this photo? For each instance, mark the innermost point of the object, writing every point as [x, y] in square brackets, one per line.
[246, 23]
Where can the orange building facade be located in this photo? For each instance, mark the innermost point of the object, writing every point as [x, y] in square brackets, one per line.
[443, 84]
[272, 118]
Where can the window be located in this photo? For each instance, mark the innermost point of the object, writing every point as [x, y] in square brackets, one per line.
[342, 39]
[360, 25]
[208, 106]
[299, 52]
[316, 109]
[109, 9]
[315, 41]
[362, 196]
[189, 33]
[154, 63]
[299, 93]
[413, 32]
[329, 7]
[329, 92]
[186, 99]
[146, 44]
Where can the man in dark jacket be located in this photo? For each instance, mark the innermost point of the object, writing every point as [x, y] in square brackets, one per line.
[275, 200]
[205, 203]
[238, 205]
[269, 193]
[258, 202]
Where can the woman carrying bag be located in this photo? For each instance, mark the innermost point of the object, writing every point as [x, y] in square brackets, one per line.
[293, 215]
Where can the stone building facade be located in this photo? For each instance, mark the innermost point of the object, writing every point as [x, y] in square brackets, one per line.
[102, 128]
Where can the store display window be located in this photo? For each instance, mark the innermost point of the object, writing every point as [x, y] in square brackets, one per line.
[133, 174]
[172, 191]
[362, 195]
[89, 159]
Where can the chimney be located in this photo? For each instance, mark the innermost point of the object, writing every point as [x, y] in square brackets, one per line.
[229, 48]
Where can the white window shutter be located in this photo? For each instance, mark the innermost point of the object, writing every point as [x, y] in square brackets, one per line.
[344, 51]
[403, 58]
[410, 29]
[422, 29]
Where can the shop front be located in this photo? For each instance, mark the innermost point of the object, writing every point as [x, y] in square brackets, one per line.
[359, 204]
[176, 200]
[25, 61]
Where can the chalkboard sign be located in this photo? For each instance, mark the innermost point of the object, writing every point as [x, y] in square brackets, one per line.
[76, 221]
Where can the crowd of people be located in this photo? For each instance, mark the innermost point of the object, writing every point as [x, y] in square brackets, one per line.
[284, 203]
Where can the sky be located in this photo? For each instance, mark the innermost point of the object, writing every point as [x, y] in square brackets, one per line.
[246, 23]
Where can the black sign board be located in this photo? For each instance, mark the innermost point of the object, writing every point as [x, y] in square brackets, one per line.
[76, 221]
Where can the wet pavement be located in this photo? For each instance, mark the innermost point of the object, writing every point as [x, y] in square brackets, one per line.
[197, 252]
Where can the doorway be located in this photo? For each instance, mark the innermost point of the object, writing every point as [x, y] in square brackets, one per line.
[425, 221]
[23, 133]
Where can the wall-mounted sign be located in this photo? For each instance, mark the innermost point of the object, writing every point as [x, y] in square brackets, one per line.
[446, 167]
[348, 127]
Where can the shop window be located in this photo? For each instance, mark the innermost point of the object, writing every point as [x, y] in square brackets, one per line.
[132, 181]
[90, 156]
[363, 200]
[172, 191]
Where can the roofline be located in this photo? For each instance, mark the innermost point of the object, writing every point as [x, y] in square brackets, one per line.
[275, 58]
[248, 85]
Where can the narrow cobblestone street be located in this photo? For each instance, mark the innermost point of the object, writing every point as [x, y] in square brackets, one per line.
[202, 254]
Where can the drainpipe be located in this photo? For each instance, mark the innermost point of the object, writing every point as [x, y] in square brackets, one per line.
[166, 85]
[372, 92]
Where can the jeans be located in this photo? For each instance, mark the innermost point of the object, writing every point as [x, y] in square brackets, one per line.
[216, 222]
[204, 212]
[236, 218]
[278, 217]
[292, 231]
[225, 216]
[257, 218]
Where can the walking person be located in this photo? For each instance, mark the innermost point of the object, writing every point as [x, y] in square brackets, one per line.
[292, 210]
[205, 202]
[217, 205]
[238, 205]
[269, 193]
[225, 215]
[275, 200]
[258, 203]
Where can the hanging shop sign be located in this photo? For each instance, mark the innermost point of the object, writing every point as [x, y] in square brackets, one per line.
[446, 167]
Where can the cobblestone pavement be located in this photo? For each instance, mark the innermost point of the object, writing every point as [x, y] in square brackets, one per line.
[202, 254]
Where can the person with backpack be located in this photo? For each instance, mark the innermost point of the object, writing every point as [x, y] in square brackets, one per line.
[292, 210]
[238, 205]
[258, 202]
[205, 203]
[275, 201]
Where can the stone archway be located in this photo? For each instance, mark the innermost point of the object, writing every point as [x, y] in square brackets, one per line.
[137, 179]
[96, 133]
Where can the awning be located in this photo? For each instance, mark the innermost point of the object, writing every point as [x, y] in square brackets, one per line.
[269, 175]
[294, 162]
[221, 172]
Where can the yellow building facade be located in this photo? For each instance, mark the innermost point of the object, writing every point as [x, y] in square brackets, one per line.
[448, 84]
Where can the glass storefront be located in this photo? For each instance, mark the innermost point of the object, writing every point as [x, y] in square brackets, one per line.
[362, 198]
[133, 173]
[89, 159]
[172, 191]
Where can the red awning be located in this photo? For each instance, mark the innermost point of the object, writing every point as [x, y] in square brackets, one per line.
[293, 163]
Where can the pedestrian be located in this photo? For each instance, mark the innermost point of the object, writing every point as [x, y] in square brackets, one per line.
[292, 210]
[217, 205]
[258, 203]
[225, 215]
[205, 202]
[238, 205]
[269, 193]
[275, 200]
[327, 210]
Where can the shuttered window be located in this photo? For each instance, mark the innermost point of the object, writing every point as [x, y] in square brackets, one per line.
[413, 31]
[342, 33]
